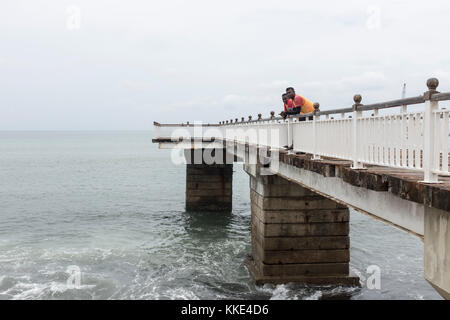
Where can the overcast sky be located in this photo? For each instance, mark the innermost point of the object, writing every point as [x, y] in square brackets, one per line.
[100, 65]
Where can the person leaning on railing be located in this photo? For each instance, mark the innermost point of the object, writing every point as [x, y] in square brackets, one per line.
[285, 100]
[296, 104]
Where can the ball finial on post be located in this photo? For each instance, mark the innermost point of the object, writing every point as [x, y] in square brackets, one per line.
[357, 98]
[432, 84]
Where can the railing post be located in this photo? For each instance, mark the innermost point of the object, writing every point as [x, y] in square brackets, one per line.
[290, 138]
[403, 136]
[315, 131]
[429, 154]
[355, 134]
[290, 134]
[269, 132]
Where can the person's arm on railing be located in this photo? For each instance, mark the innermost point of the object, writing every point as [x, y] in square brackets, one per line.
[290, 112]
[293, 111]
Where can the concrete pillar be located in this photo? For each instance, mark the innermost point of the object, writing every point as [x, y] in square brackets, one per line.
[297, 235]
[208, 186]
[437, 250]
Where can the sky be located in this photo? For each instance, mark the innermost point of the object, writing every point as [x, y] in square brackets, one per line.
[120, 65]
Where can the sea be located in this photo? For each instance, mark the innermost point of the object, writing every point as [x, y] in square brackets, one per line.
[100, 215]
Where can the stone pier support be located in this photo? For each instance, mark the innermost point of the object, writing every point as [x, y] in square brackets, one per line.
[437, 250]
[297, 235]
[208, 186]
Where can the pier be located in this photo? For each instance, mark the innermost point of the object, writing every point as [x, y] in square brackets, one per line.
[388, 160]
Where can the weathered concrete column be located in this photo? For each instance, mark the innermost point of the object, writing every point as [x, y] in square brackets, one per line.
[297, 235]
[437, 250]
[209, 187]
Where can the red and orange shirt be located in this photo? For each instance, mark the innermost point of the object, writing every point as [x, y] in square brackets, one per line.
[289, 105]
[306, 105]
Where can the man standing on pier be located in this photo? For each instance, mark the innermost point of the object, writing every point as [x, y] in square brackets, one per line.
[300, 104]
[296, 104]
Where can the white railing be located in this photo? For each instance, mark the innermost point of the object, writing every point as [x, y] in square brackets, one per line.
[413, 140]
[441, 121]
[267, 132]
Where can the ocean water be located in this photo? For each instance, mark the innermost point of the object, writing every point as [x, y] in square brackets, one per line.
[111, 206]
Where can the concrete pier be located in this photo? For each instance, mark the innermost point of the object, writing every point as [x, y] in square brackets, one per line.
[297, 235]
[208, 186]
[437, 250]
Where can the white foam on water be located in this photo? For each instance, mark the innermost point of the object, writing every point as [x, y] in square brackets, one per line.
[31, 291]
[315, 296]
[281, 292]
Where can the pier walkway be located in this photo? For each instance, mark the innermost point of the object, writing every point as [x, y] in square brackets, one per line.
[389, 160]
